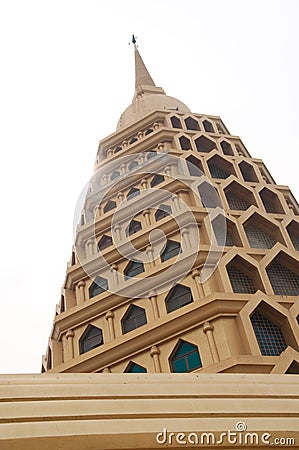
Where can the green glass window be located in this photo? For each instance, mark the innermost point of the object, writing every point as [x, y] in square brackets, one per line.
[186, 358]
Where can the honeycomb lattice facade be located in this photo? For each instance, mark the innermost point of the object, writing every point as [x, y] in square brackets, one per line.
[243, 318]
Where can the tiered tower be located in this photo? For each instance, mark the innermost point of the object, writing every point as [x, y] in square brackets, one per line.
[218, 292]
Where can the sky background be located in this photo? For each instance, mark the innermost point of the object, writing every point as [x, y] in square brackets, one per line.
[67, 74]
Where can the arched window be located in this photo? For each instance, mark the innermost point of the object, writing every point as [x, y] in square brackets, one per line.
[185, 358]
[178, 296]
[105, 242]
[134, 139]
[163, 211]
[99, 285]
[157, 180]
[91, 338]
[133, 268]
[134, 318]
[133, 228]
[135, 368]
[132, 193]
[148, 131]
[269, 337]
[239, 280]
[172, 249]
[282, 279]
[109, 206]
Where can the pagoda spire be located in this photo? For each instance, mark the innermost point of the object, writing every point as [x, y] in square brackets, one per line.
[144, 84]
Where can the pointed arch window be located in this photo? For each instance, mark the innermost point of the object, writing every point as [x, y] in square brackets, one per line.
[194, 166]
[205, 145]
[268, 335]
[105, 242]
[208, 126]
[109, 206]
[133, 228]
[235, 201]
[132, 165]
[91, 338]
[135, 368]
[162, 212]
[293, 368]
[185, 143]
[98, 286]
[178, 297]
[135, 317]
[258, 238]
[271, 202]
[172, 249]
[240, 281]
[148, 131]
[114, 175]
[175, 122]
[133, 269]
[185, 358]
[133, 192]
[192, 124]
[217, 171]
[157, 180]
[226, 148]
[282, 279]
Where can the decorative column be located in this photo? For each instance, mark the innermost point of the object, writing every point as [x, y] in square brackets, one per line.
[146, 213]
[116, 231]
[114, 271]
[89, 247]
[70, 344]
[123, 169]
[160, 147]
[143, 183]
[80, 291]
[155, 352]
[120, 196]
[153, 298]
[208, 330]
[185, 237]
[176, 202]
[149, 252]
[109, 317]
[195, 275]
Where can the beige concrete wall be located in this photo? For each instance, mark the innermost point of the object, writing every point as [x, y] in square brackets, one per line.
[128, 411]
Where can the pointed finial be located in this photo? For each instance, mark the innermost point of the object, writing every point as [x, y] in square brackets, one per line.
[134, 39]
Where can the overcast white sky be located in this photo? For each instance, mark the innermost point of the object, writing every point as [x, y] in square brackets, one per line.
[67, 74]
